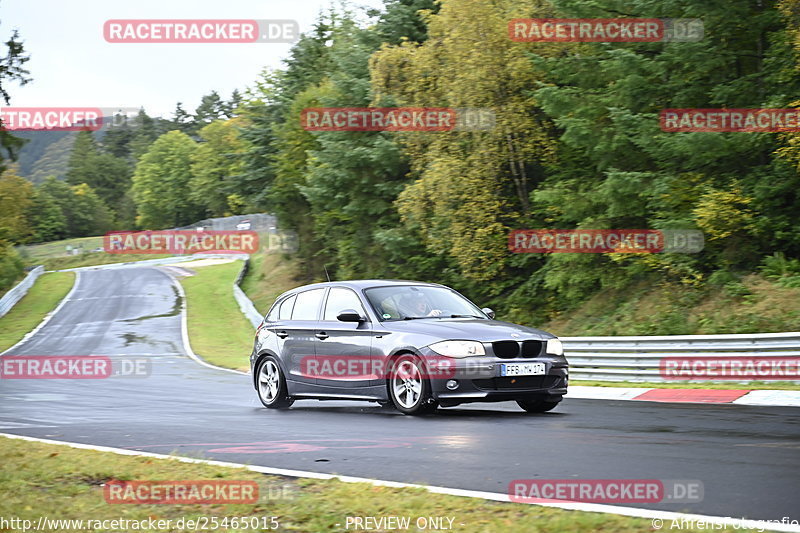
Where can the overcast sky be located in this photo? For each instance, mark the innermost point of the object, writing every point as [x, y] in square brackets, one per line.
[73, 66]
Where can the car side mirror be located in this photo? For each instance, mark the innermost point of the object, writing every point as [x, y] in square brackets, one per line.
[488, 312]
[349, 315]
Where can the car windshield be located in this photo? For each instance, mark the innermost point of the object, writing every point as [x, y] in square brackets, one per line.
[409, 302]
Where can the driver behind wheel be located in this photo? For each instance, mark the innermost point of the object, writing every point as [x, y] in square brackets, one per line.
[415, 305]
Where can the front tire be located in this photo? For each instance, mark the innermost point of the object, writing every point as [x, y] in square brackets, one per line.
[538, 405]
[409, 390]
[271, 385]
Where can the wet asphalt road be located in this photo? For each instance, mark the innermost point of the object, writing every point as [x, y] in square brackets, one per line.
[747, 457]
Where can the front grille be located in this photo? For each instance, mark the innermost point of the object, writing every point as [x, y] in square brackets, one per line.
[531, 348]
[512, 349]
[506, 349]
[521, 382]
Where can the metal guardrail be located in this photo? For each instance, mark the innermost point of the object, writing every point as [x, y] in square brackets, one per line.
[639, 358]
[10, 298]
[245, 304]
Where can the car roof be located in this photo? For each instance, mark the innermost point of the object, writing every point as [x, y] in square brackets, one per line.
[361, 284]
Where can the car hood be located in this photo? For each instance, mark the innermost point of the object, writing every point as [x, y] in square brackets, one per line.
[467, 329]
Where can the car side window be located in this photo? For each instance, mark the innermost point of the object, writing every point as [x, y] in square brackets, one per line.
[286, 306]
[340, 299]
[307, 304]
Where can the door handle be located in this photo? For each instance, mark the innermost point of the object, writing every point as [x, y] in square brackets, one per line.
[321, 335]
[282, 334]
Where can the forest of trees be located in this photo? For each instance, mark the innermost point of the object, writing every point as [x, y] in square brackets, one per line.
[577, 144]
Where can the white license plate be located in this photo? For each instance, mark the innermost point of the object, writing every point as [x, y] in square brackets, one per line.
[522, 369]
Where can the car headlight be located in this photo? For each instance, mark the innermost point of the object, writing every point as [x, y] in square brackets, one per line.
[458, 348]
[554, 347]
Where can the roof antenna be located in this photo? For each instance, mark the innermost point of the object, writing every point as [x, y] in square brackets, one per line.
[326, 273]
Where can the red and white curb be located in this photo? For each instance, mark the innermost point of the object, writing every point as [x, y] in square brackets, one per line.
[786, 398]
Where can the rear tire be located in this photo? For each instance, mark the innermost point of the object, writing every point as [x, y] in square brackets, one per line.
[271, 385]
[409, 390]
[539, 405]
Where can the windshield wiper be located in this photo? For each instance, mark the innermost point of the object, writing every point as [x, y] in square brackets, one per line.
[416, 317]
[465, 316]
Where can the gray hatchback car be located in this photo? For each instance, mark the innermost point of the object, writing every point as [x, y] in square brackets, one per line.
[411, 344]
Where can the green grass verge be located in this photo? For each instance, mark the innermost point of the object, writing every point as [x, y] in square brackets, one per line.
[59, 482]
[218, 331]
[754, 385]
[43, 297]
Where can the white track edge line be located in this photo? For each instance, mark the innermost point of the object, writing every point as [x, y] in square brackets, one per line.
[48, 316]
[495, 496]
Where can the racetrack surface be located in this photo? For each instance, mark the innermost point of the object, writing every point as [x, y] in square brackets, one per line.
[746, 457]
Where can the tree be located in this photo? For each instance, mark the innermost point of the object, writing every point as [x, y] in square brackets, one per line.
[84, 213]
[106, 174]
[182, 120]
[404, 20]
[616, 169]
[11, 266]
[90, 216]
[11, 69]
[84, 151]
[55, 191]
[16, 196]
[275, 161]
[161, 183]
[211, 108]
[785, 221]
[117, 139]
[230, 107]
[326, 185]
[46, 218]
[470, 187]
[349, 177]
[216, 166]
[145, 131]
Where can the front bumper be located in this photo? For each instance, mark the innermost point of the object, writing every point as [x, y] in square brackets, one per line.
[479, 379]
